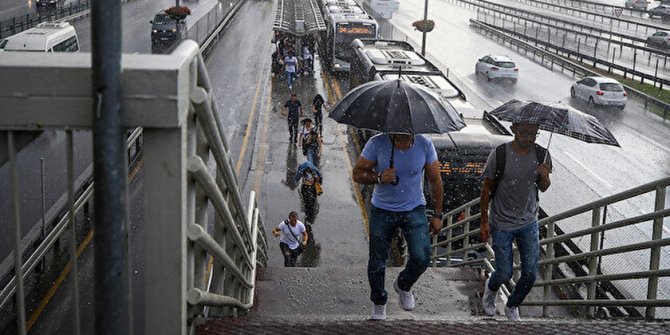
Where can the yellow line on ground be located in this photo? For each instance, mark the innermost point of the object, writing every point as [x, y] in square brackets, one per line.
[357, 191]
[84, 244]
[247, 132]
[56, 285]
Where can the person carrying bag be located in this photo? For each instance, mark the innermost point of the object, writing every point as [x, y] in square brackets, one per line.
[289, 243]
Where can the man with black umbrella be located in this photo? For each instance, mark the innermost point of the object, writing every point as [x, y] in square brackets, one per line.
[398, 202]
[514, 173]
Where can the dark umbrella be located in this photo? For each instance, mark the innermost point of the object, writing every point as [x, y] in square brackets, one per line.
[396, 106]
[556, 118]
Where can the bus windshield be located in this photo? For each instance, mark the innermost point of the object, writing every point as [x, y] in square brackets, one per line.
[347, 33]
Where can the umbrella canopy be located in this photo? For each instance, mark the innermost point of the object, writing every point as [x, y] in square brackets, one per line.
[395, 106]
[556, 118]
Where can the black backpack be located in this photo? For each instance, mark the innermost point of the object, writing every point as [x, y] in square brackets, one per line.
[501, 155]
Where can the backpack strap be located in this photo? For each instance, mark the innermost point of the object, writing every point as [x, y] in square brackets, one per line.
[288, 225]
[501, 155]
[539, 155]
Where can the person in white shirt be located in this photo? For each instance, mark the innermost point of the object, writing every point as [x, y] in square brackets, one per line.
[290, 243]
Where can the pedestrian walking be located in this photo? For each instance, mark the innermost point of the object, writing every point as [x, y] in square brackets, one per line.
[514, 173]
[290, 244]
[308, 60]
[317, 109]
[309, 176]
[398, 202]
[291, 64]
[312, 147]
[293, 111]
[307, 126]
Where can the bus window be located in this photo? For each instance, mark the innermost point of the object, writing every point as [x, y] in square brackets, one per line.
[347, 33]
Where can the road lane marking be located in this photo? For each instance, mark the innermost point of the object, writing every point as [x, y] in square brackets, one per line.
[56, 285]
[357, 192]
[589, 170]
[247, 132]
[84, 244]
[263, 151]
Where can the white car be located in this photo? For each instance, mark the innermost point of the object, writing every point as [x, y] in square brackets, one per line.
[660, 38]
[600, 91]
[494, 67]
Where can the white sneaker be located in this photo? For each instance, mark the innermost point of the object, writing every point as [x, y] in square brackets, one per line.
[406, 298]
[512, 313]
[489, 300]
[379, 312]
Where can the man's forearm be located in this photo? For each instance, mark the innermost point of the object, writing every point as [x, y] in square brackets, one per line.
[365, 177]
[438, 196]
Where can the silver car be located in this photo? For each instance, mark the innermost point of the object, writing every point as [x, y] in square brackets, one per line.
[660, 38]
[601, 91]
[637, 4]
[662, 11]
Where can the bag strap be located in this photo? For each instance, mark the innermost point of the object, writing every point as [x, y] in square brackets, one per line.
[501, 156]
[288, 225]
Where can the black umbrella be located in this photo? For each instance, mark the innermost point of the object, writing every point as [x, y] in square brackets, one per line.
[556, 118]
[396, 106]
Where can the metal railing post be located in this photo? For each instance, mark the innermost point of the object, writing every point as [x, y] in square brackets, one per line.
[548, 269]
[593, 261]
[18, 260]
[450, 222]
[655, 257]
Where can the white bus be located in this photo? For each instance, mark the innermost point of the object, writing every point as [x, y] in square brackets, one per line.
[341, 30]
[45, 37]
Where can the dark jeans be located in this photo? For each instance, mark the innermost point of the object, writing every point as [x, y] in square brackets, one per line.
[383, 224]
[293, 130]
[290, 255]
[309, 200]
[528, 241]
[318, 122]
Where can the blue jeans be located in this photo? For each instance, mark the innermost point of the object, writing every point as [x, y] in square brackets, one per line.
[528, 241]
[312, 155]
[289, 78]
[383, 224]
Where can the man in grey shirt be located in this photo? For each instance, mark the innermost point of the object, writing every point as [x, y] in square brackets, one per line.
[514, 208]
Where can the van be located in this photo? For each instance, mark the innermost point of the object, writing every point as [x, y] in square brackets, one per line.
[45, 37]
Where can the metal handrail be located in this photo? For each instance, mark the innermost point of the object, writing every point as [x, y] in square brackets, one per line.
[549, 262]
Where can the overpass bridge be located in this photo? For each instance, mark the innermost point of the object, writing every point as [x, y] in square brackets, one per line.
[209, 267]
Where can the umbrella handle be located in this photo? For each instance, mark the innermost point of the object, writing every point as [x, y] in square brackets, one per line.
[397, 179]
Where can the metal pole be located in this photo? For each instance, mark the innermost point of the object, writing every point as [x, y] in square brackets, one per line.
[110, 170]
[423, 39]
[44, 206]
[73, 234]
[18, 260]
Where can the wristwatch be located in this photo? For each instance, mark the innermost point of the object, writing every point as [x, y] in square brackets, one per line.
[379, 178]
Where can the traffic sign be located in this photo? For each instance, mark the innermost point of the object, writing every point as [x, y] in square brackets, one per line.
[617, 11]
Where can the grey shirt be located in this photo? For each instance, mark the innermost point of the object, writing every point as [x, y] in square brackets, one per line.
[515, 203]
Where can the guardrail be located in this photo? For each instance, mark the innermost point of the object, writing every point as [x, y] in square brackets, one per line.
[444, 250]
[642, 43]
[550, 18]
[188, 169]
[588, 12]
[553, 59]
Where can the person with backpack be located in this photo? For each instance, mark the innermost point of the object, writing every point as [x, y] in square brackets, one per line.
[290, 244]
[513, 175]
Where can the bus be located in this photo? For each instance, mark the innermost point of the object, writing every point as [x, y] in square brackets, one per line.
[45, 37]
[462, 154]
[341, 30]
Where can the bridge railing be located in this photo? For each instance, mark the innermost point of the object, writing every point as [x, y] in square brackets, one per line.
[196, 264]
[458, 241]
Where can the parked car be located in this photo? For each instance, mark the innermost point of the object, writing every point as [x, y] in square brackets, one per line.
[637, 4]
[660, 38]
[662, 11]
[497, 67]
[600, 91]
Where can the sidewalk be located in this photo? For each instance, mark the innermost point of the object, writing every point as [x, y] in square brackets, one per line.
[338, 232]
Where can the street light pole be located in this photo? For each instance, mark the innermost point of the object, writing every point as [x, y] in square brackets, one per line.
[425, 18]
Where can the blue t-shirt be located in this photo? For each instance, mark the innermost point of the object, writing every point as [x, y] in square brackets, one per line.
[409, 165]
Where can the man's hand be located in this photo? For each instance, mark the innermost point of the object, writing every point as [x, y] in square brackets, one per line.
[435, 225]
[304, 243]
[484, 232]
[544, 170]
[276, 232]
[388, 176]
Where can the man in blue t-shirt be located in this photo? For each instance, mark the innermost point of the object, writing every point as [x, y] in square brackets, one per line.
[398, 202]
